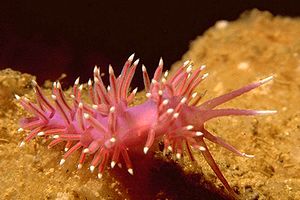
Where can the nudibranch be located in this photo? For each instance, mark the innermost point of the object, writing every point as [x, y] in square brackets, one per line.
[109, 130]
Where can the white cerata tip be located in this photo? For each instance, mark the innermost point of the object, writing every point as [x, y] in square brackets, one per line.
[112, 164]
[62, 161]
[146, 150]
[130, 170]
[131, 57]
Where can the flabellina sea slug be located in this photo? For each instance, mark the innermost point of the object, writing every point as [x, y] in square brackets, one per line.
[109, 130]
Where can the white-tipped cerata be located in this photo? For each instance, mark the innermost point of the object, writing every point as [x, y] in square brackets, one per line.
[202, 67]
[34, 83]
[86, 150]
[95, 106]
[247, 155]
[110, 69]
[161, 62]
[189, 127]
[130, 170]
[80, 87]
[53, 97]
[90, 82]
[205, 76]
[136, 62]
[165, 102]
[55, 136]
[199, 133]
[146, 150]
[135, 90]
[112, 164]
[189, 69]
[131, 57]
[20, 130]
[86, 116]
[186, 63]
[183, 100]
[79, 166]
[178, 156]
[113, 140]
[22, 144]
[175, 115]
[148, 95]
[170, 110]
[266, 79]
[201, 148]
[144, 68]
[266, 112]
[66, 149]
[17, 97]
[62, 161]
[77, 81]
[112, 109]
[41, 133]
[92, 168]
[99, 175]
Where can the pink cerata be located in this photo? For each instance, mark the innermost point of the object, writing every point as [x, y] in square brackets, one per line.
[109, 129]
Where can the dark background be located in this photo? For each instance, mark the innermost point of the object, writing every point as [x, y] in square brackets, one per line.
[48, 38]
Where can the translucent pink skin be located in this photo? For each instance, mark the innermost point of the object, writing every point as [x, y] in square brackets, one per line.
[110, 129]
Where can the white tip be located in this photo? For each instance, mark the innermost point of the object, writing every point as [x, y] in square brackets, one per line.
[153, 81]
[22, 144]
[99, 175]
[161, 62]
[80, 105]
[266, 79]
[113, 140]
[189, 127]
[72, 96]
[86, 116]
[175, 115]
[170, 110]
[130, 170]
[86, 150]
[54, 84]
[198, 133]
[148, 95]
[58, 85]
[119, 165]
[201, 148]
[202, 67]
[94, 106]
[80, 87]
[166, 74]
[53, 97]
[26, 99]
[79, 166]
[95, 69]
[163, 80]
[66, 149]
[170, 148]
[135, 90]
[62, 161]
[20, 130]
[112, 164]
[183, 100]
[178, 155]
[205, 76]
[34, 83]
[144, 68]
[266, 112]
[17, 97]
[55, 136]
[110, 70]
[136, 62]
[160, 92]
[90, 82]
[189, 69]
[131, 57]
[248, 156]
[146, 150]
[92, 168]
[96, 79]
[186, 63]
[194, 94]
[41, 133]
[165, 102]
[77, 81]
[112, 109]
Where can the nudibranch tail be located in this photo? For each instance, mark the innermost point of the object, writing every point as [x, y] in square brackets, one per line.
[109, 130]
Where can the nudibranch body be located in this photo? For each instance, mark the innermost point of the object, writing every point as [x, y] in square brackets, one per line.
[109, 129]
